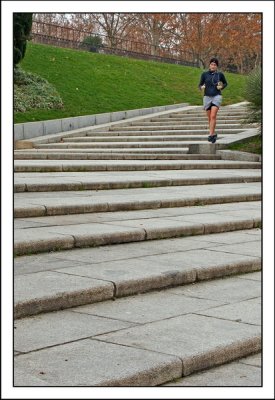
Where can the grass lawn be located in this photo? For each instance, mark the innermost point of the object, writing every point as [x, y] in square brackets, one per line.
[254, 145]
[91, 83]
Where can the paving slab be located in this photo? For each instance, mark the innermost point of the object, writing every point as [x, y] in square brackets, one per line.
[233, 374]
[137, 275]
[60, 327]
[254, 276]
[255, 213]
[201, 342]
[77, 219]
[53, 238]
[252, 248]
[229, 290]
[233, 237]
[148, 307]
[127, 251]
[44, 262]
[159, 228]
[32, 239]
[93, 363]
[255, 360]
[140, 249]
[97, 255]
[85, 181]
[246, 311]
[56, 203]
[141, 274]
[221, 222]
[57, 291]
[151, 193]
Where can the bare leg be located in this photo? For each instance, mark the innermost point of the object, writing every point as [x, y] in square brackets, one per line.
[208, 112]
[212, 119]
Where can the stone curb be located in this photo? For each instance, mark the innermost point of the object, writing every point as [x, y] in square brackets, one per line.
[108, 290]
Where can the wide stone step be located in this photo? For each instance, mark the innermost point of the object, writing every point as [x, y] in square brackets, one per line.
[73, 154]
[193, 126]
[122, 145]
[153, 133]
[135, 342]
[191, 121]
[172, 124]
[60, 203]
[76, 147]
[67, 232]
[135, 139]
[58, 181]
[137, 165]
[243, 372]
[235, 128]
[222, 112]
[49, 282]
[98, 228]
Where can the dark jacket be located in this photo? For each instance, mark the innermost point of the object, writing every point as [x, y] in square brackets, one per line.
[211, 79]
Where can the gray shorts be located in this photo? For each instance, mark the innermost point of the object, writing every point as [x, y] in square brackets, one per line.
[208, 100]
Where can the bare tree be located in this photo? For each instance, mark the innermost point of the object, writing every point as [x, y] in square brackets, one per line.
[113, 25]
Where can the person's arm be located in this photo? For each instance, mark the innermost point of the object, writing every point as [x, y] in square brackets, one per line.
[224, 81]
[202, 81]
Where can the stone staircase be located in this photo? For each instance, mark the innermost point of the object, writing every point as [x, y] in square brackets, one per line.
[138, 261]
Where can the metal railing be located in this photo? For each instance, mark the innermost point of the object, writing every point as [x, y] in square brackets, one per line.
[64, 36]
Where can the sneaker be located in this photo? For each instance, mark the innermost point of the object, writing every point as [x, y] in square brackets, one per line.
[209, 138]
[214, 138]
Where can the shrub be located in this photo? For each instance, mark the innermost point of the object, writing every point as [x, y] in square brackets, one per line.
[253, 94]
[22, 25]
[31, 92]
[93, 43]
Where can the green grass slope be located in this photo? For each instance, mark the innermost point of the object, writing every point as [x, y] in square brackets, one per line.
[91, 83]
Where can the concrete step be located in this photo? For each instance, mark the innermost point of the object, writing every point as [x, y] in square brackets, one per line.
[222, 112]
[179, 124]
[153, 133]
[69, 231]
[88, 232]
[62, 203]
[243, 372]
[192, 128]
[86, 201]
[50, 282]
[137, 165]
[73, 154]
[136, 138]
[191, 121]
[123, 145]
[136, 342]
[60, 181]
[81, 148]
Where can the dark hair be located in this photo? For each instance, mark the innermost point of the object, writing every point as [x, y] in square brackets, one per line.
[215, 60]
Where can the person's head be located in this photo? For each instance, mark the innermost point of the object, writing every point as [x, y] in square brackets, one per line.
[213, 64]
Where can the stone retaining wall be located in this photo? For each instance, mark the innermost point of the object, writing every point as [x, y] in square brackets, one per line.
[40, 128]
